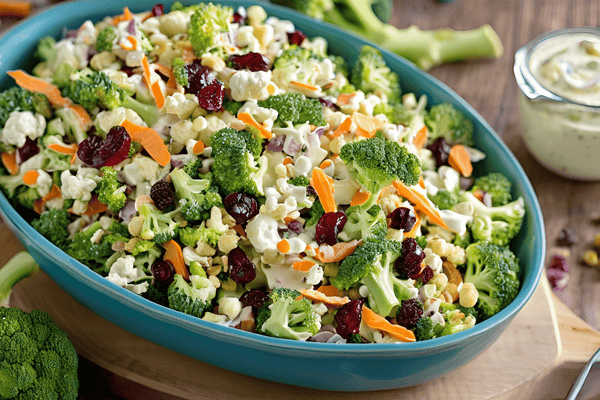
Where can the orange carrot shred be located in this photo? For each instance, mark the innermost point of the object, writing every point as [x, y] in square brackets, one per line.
[329, 290]
[62, 149]
[168, 72]
[174, 255]
[303, 266]
[376, 321]
[287, 161]
[36, 85]
[15, 8]
[283, 246]
[343, 128]
[151, 140]
[359, 198]
[421, 181]
[459, 160]
[188, 55]
[320, 297]
[413, 232]
[154, 87]
[365, 125]
[38, 205]
[10, 162]
[198, 147]
[325, 164]
[95, 207]
[249, 120]
[324, 188]
[421, 137]
[288, 219]
[302, 85]
[344, 98]
[132, 41]
[126, 16]
[420, 203]
[341, 250]
[30, 177]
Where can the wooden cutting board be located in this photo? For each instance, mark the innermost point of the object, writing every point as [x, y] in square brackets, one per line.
[537, 357]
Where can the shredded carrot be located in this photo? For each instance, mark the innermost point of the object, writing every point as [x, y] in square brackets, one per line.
[421, 181]
[288, 219]
[459, 159]
[359, 198]
[341, 250]
[344, 98]
[132, 41]
[376, 321]
[15, 8]
[420, 203]
[324, 188]
[343, 128]
[319, 297]
[157, 93]
[85, 121]
[478, 194]
[386, 191]
[421, 137]
[249, 120]
[126, 16]
[283, 246]
[95, 207]
[62, 149]
[325, 164]
[38, 205]
[73, 158]
[413, 232]
[239, 230]
[10, 162]
[329, 290]
[174, 255]
[365, 125]
[36, 85]
[198, 147]
[303, 266]
[305, 86]
[151, 140]
[287, 161]
[168, 72]
[30, 177]
[147, 15]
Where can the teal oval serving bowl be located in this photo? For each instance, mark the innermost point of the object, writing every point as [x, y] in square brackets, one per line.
[351, 367]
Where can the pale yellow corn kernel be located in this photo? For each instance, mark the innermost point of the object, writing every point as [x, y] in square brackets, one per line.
[215, 281]
[468, 295]
[590, 257]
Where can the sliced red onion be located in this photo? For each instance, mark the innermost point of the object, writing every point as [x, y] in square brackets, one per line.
[131, 27]
[177, 163]
[296, 226]
[276, 143]
[319, 131]
[291, 146]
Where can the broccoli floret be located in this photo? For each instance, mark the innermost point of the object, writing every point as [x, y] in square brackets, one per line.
[207, 22]
[52, 224]
[372, 75]
[372, 265]
[157, 293]
[196, 196]
[285, 317]
[192, 168]
[314, 214]
[232, 106]
[237, 167]
[457, 321]
[19, 99]
[191, 236]
[88, 252]
[26, 196]
[494, 270]
[445, 199]
[107, 37]
[180, 72]
[299, 181]
[462, 240]
[423, 329]
[496, 185]
[424, 48]
[443, 120]
[397, 114]
[365, 223]
[45, 50]
[295, 108]
[110, 191]
[192, 298]
[119, 232]
[157, 226]
[62, 74]
[496, 224]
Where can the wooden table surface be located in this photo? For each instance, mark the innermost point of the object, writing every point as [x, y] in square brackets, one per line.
[489, 86]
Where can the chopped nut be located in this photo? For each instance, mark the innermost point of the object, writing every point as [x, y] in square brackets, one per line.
[452, 289]
[590, 257]
[215, 281]
[214, 270]
[118, 246]
[135, 225]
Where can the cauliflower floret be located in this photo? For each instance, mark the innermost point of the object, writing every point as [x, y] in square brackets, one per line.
[181, 105]
[20, 125]
[213, 62]
[183, 131]
[69, 53]
[216, 220]
[260, 114]
[142, 172]
[80, 186]
[315, 275]
[230, 306]
[213, 124]
[105, 120]
[174, 23]
[262, 232]
[228, 241]
[274, 209]
[451, 252]
[432, 260]
[123, 272]
[246, 85]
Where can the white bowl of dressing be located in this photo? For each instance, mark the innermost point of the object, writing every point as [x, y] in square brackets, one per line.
[558, 75]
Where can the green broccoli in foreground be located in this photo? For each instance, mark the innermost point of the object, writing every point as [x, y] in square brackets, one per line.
[495, 271]
[286, 317]
[496, 185]
[196, 196]
[295, 108]
[110, 191]
[52, 224]
[19, 99]
[192, 298]
[207, 22]
[158, 227]
[443, 120]
[37, 360]
[372, 75]
[88, 252]
[423, 329]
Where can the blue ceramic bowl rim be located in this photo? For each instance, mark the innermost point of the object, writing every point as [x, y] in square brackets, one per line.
[74, 9]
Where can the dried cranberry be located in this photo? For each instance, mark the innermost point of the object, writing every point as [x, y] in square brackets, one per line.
[127, 70]
[241, 207]
[558, 272]
[251, 61]
[403, 218]
[348, 318]
[330, 104]
[296, 227]
[28, 150]
[310, 191]
[158, 10]
[161, 194]
[206, 87]
[427, 274]
[567, 237]
[329, 226]
[296, 37]
[409, 313]
[241, 268]
[559, 262]
[254, 298]
[238, 19]
[409, 264]
[440, 149]
[97, 153]
[163, 271]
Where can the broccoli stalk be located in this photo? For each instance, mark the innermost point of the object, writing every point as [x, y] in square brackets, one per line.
[424, 48]
[19, 267]
[157, 226]
[196, 196]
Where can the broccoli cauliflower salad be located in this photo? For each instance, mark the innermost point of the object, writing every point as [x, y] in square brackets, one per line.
[220, 163]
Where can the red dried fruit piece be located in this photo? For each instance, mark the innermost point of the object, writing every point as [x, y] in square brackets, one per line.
[409, 313]
[427, 274]
[28, 150]
[163, 271]
[97, 153]
[409, 264]
[241, 268]
[206, 87]
[348, 318]
[403, 218]
[161, 194]
[241, 207]
[296, 37]
[440, 149]
[329, 226]
[238, 19]
[328, 103]
[255, 298]
[250, 61]
[158, 10]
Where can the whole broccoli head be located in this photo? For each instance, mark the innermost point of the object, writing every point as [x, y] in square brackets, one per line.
[110, 191]
[207, 22]
[496, 185]
[157, 226]
[107, 37]
[37, 360]
[192, 298]
[295, 108]
[196, 196]
[372, 75]
[495, 271]
[238, 166]
[443, 120]
[286, 316]
[52, 224]
[19, 99]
